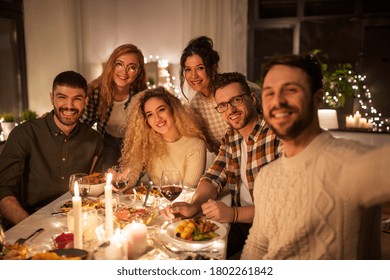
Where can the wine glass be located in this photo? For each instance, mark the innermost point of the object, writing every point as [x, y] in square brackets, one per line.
[2, 238]
[83, 182]
[119, 177]
[170, 184]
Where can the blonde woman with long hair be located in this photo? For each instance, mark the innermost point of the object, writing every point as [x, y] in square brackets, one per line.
[162, 133]
[109, 95]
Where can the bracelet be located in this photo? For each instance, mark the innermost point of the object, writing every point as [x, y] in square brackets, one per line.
[235, 211]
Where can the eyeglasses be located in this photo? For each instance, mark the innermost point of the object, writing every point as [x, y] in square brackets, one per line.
[131, 68]
[234, 101]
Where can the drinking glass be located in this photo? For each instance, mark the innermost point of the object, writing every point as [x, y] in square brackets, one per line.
[2, 237]
[89, 223]
[119, 177]
[170, 184]
[115, 201]
[83, 182]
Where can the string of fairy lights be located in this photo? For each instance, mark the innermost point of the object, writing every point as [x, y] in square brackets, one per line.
[164, 77]
[364, 97]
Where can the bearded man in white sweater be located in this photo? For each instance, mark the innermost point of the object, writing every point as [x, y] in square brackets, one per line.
[321, 199]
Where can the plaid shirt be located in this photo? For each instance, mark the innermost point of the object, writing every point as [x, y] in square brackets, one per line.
[263, 147]
[90, 115]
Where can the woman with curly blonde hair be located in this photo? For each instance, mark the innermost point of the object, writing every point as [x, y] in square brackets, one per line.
[162, 133]
[109, 95]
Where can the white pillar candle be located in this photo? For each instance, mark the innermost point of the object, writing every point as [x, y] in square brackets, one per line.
[77, 218]
[363, 123]
[349, 121]
[357, 117]
[135, 233]
[124, 246]
[108, 209]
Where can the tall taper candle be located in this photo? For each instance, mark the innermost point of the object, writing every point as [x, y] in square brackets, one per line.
[108, 205]
[77, 218]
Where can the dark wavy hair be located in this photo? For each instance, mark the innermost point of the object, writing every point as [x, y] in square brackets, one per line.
[202, 46]
[307, 62]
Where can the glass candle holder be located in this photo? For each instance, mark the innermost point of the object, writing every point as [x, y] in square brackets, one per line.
[89, 223]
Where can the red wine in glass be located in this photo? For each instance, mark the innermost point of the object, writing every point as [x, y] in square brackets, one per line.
[171, 192]
[120, 179]
[170, 184]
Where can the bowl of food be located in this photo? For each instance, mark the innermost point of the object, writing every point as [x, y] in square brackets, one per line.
[97, 181]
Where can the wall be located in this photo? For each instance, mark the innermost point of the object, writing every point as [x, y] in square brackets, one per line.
[50, 47]
[81, 34]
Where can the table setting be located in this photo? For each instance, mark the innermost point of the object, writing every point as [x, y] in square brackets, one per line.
[116, 226]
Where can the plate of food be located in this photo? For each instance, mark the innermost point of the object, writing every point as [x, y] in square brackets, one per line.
[66, 205]
[196, 231]
[127, 215]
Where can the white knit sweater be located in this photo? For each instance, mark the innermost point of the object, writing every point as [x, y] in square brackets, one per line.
[312, 206]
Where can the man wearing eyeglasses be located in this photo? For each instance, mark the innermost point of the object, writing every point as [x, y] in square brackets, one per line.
[248, 145]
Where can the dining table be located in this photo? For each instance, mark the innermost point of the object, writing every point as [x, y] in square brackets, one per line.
[161, 244]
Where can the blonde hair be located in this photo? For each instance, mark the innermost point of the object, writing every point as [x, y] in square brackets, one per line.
[105, 83]
[141, 144]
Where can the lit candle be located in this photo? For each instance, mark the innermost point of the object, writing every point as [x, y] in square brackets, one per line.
[115, 250]
[135, 233]
[363, 123]
[349, 121]
[77, 218]
[109, 214]
[357, 117]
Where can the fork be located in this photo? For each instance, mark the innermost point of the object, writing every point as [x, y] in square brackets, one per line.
[176, 250]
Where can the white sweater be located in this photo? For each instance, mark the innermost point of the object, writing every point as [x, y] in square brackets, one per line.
[314, 206]
[188, 155]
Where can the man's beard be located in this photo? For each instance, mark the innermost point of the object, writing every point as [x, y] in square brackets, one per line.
[65, 121]
[298, 125]
[247, 119]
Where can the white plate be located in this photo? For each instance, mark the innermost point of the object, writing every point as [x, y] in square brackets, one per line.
[57, 207]
[221, 231]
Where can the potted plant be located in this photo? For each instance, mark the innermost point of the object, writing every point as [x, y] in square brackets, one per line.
[28, 115]
[8, 122]
[340, 86]
[339, 82]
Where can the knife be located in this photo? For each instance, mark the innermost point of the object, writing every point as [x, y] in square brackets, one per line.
[21, 241]
[150, 185]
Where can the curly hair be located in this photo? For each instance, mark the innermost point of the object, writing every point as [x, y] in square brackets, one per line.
[202, 46]
[141, 144]
[105, 82]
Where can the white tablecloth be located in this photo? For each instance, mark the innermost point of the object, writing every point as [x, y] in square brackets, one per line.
[55, 224]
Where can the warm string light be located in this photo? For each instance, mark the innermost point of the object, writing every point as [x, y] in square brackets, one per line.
[364, 97]
[164, 77]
